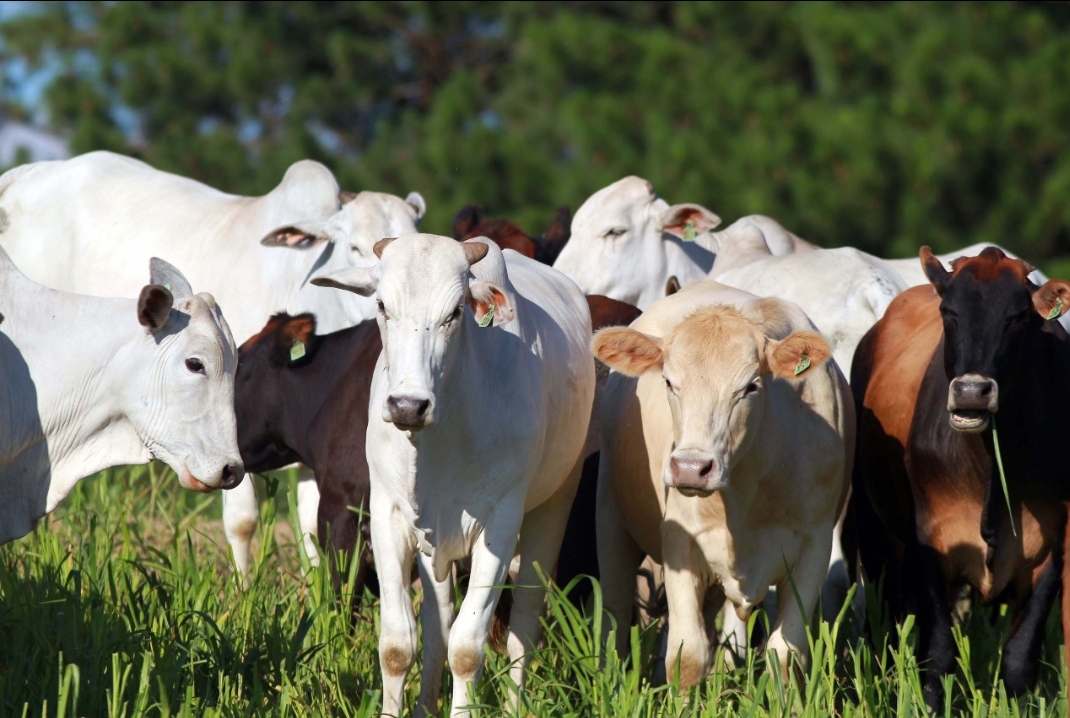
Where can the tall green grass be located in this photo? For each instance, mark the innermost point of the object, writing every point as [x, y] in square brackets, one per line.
[122, 604]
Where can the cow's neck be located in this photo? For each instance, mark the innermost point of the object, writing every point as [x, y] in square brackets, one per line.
[80, 353]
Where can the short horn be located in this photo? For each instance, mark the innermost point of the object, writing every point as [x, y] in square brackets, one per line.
[381, 245]
[475, 251]
[345, 196]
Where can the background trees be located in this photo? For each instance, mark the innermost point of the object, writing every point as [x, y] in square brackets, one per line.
[883, 126]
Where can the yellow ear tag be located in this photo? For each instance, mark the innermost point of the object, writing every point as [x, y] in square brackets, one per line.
[689, 231]
[488, 317]
[1057, 310]
[803, 365]
[297, 350]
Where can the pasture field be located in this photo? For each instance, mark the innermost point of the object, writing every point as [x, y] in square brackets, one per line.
[121, 604]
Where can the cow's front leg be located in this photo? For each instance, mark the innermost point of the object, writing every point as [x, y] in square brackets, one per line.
[688, 649]
[393, 548]
[308, 503]
[240, 516]
[540, 542]
[436, 617]
[808, 575]
[491, 556]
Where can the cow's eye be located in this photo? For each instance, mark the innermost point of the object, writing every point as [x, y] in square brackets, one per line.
[750, 388]
[195, 366]
[454, 316]
[614, 232]
[670, 387]
[1018, 318]
[382, 309]
[354, 248]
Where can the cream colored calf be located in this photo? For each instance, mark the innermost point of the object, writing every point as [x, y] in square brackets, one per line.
[727, 460]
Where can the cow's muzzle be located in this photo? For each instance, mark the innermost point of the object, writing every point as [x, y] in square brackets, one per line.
[972, 399]
[409, 412]
[695, 473]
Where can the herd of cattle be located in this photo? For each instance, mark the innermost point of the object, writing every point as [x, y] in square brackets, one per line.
[450, 393]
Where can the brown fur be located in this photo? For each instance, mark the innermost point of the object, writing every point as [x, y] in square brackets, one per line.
[1045, 298]
[786, 355]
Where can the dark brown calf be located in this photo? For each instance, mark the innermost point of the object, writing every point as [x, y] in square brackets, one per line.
[930, 381]
[470, 222]
[303, 397]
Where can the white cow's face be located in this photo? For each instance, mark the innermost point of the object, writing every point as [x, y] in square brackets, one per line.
[618, 243]
[715, 365]
[421, 288]
[363, 219]
[180, 390]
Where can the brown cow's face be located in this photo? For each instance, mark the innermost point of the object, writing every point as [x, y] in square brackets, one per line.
[988, 307]
[715, 366]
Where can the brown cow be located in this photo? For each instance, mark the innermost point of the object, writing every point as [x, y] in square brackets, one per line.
[929, 379]
[471, 222]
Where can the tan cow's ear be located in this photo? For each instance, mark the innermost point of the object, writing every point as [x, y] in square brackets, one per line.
[628, 351]
[1053, 299]
[797, 354]
[934, 270]
[482, 296]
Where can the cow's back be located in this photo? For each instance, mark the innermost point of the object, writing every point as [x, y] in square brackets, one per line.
[90, 225]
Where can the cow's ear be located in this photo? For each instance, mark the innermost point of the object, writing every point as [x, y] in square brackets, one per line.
[672, 286]
[154, 307]
[628, 351]
[359, 280]
[556, 236]
[293, 339]
[797, 354]
[934, 270]
[1052, 300]
[167, 275]
[488, 298]
[419, 207]
[468, 218]
[345, 196]
[688, 221]
[304, 235]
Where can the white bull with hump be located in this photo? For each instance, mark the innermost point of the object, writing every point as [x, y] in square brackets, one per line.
[727, 460]
[91, 223]
[478, 414]
[87, 383]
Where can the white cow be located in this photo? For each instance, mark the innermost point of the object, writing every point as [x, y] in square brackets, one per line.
[87, 383]
[727, 460]
[481, 432]
[89, 223]
[626, 242]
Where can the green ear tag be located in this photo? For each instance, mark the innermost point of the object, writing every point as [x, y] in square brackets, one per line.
[297, 350]
[488, 317]
[167, 287]
[1057, 310]
[803, 365]
[689, 231]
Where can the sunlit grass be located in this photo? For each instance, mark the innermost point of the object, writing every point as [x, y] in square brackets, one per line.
[122, 604]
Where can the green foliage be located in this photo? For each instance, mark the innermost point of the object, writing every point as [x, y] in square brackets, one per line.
[121, 604]
[883, 126]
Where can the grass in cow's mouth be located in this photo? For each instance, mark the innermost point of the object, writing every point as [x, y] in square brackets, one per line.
[120, 605]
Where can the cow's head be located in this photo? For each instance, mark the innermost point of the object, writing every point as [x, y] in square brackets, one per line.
[618, 246]
[285, 343]
[717, 366]
[427, 299]
[363, 218]
[470, 222]
[989, 308]
[178, 386]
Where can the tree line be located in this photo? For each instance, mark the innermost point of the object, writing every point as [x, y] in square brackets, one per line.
[882, 126]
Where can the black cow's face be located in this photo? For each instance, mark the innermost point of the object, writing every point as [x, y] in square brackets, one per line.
[988, 307]
[284, 342]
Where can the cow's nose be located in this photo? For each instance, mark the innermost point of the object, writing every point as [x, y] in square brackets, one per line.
[973, 392]
[411, 411]
[691, 473]
[232, 476]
